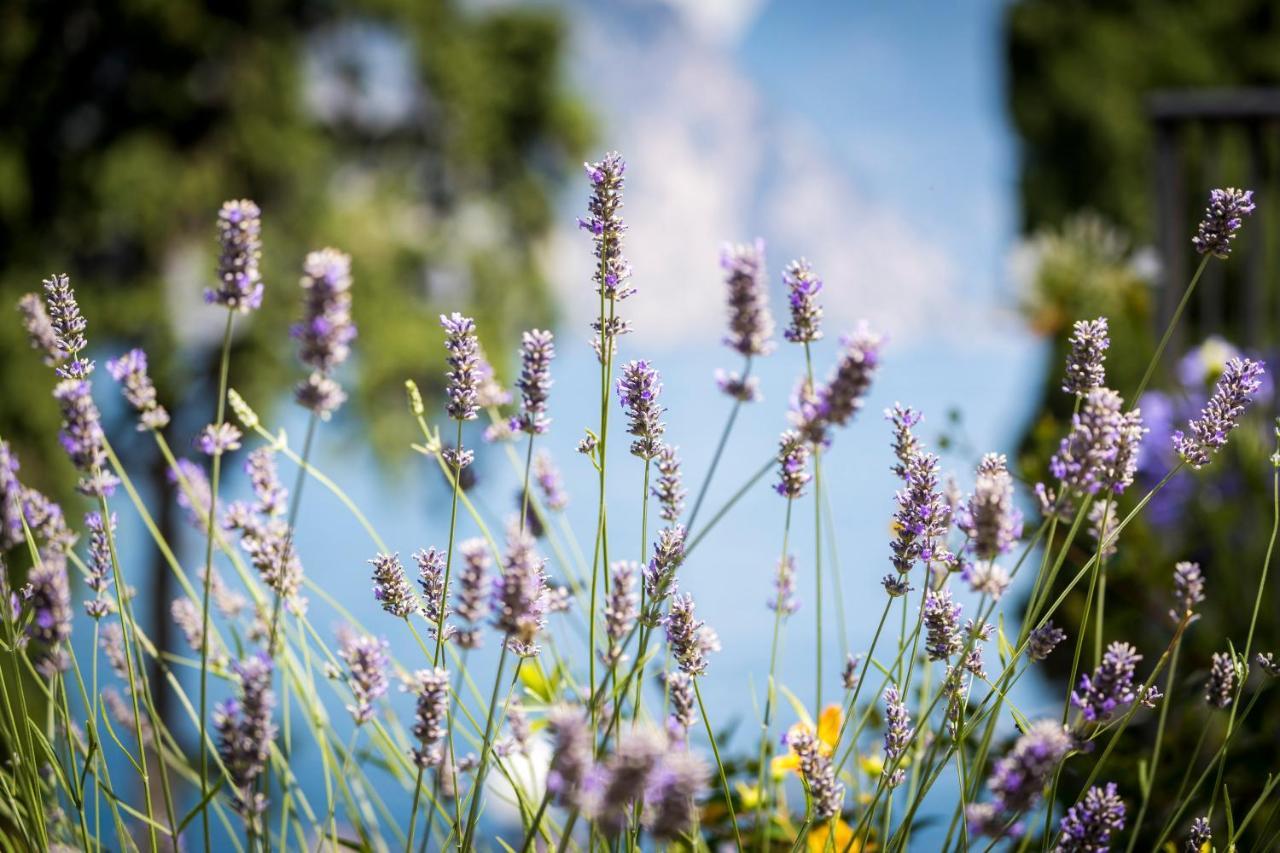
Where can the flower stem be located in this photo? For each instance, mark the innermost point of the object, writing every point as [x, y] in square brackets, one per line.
[720, 445]
[715, 750]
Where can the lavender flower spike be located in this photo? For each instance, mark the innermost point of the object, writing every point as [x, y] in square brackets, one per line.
[626, 775]
[217, 439]
[677, 783]
[1018, 779]
[689, 638]
[1100, 453]
[63, 311]
[82, 437]
[1110, 686]
[1188, 591]
[750, 324]
[130, 370]
[1043, 640]
[793, 465]
[390, 586]
[571, 747]
[520, 594]
[683, 715]
[245, 732]
[11, 499]
[1085, 369]
[1222, 221]
[1089, 825]
[431, 572]
[49, 599]
[240, 241]
[1240, 380]
[366, 660]
[473, 590]
[841, 398]
[803, 286]
[942, 624]
[621, 610]
[604, 222]
[100, 574]
[1201, 834]
[897, 734]
[326, 330]
[1220, 689]
[463, 348]
[40, 332]
[990, 520]
[784, 599]
[432, 687]
[825, 792]
[638, 390]
[669, 489]
[537, 348]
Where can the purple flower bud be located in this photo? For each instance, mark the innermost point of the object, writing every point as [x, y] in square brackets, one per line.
[745, 389]
[537, 349]
[897, 734]
[130, 370]
[836, 402]
[240, 248]
[216, 439]
[520, 594]
[1085, 363]
[1240, 380]
[849, 676]
[1220, 689]
[1201, 834]
[669, 489]
[473, 590]
[942, 625]
[432, 688]
[621, 609]
[1100, 453]
[923, 514]
[990, 520]
[49, 600]
[69, 325]
[1222, 221]
[10, 499]
[1110, 686]
[668, 554]
[825, 792]
[1088, 826]
[1043, 640]
[431, 572]
[245, 732]
[489, 391]
[82, 437]
[626, 776]
[1017, 779]
[1188, 590]
[571, 764]
[676, 784]
[750, 324]
[638, 390]
[803, 286]
[40, 332]
[683, 714]
[690, 639]
[193, 492]
[326, 330]
[604, 223]
[391, 587]
[366, 660]
[100, 574]
[784, 599]
[463, 358]
[793, 465]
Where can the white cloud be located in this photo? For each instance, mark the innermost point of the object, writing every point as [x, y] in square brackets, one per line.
[720, 21]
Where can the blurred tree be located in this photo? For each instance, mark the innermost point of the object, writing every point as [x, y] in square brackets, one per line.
[424, 140]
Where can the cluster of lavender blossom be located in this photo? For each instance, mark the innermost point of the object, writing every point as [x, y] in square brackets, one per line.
[595, 752]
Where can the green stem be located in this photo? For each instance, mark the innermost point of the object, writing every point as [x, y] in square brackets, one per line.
[715, 750]
[448, 559]
[720, 445]
[477, 788]
[769, 694]
[1168, 332]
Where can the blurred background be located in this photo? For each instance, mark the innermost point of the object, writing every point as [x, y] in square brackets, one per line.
[970, 178]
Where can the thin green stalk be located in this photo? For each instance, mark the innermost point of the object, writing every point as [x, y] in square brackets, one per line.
[817, 569]
[720, 445]
[715, 750]
[724, 510]
[1168, 332]
[1154, 765]
[477, 788]
[443, 604]
[214, 478]
[761, 795]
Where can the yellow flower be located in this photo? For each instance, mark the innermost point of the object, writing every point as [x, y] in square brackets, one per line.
[829, 722]
[843, 838]
[872, 765]
[749, 795]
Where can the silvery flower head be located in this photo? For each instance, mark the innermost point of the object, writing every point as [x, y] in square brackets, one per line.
[1018, 779]
[325, 333]
[245, 731]
[803, 286]
[750, 323]
[390, 586]
[1188, 590]
[625, 776]
[366, 660]
[463, 358]
[537, 349]
[683, 715]
[986, 578]
[217, 439]
[1201, 834]
[432, 689]
[604, 223]
[1110, 686]
[435, 596]
[473, 589]
[82, 437]
[272, 499]
[923, 515]
[63, 310]
[1222, 221]
[1220, 689]
[638, 390]
[1100, 453]
[48, 597]
[1086, 369]
[793, 465]
[668, 488]
[100, 571]
[674, 788]
[1240, 380]
[240, 249]
[690, 638]
[668, 554]
[621, 609]
[1089, 825]
[40, 331]
[836, 402]
[520, 594]
[784, 600]
[989, 520]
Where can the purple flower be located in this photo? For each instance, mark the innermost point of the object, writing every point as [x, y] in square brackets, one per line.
[621, 609]
[99, 565]
[193, 492]
[10, 499]
[683, 716]
[1240, 380]
[690, 639]
[432, 688]
[750, 324]
[391, 587]
[897, 734]
[537, 349]
[48, 524]
[40, 332]
[1018, 779]
[1219, 690]
[986, 578]
[1087, 826]
[923, 515]
[1222, 220]
[82, 437]
[245, 732]
[793, 465]
[216, 439]
[784, 599]
[803, 286]
[674, 788]
[189, 618]
[435, 595]
[1043, 640]
[63, 311]
[1188, 591]
[638, 390]
[836, 402]
[942, 625]
[463, 357]
[240, 248]
[1110, 686]
[473, 590]
[849, 676]
[1085, 363]
[1201, 834]
[668, 554]
[604, 223]
[896, 585]
[571, 764]
[489, 391]
[1100, 453]
[325, 333]
[668, 489]
[49, 600]
[989, 520]
[626, 775]
[825, 792]
[520, 594]
[745, 389]
[366, 660]
[130, 370]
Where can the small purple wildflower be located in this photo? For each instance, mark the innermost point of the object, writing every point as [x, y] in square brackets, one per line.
[896, 585]
[784, 599]
[1219, 690]
[668, 554]
[473, 590]
[63, 311]
[11, 502]
[793, 465]
[942, 625]
[432, 688]
[621, 609]
[435, 596]
[923, 515]
[193, 492]
[836, 402]
[986, 578]
[1110, 686]
[1043, 640]
[216, 439]
[690, 639]
[750, 324]
[669, 489]
[82, 437]
[1222, 221]
[1100, 453]
[100, 574]
[803, 286]
[897, 734]
[638, 390]
[1200, 835]
[40, 332]
[1240, 380]
[626, 776]
[240, 243]
[366, 660]
[1018, 779]
[245, 732]
[683, 714]
[537, 349]
[604, 223]
[49, 599]
[1085, 363]
[272, 498]
[679, 780]
[1088, 826]
[463, 357]
[826, 793]
[745, 389]
[571, 764]
[1188, 591]
[130, 370]
[325, 333]
[990, 520]
[520, 594]
[849, 676]
[391, 587]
